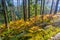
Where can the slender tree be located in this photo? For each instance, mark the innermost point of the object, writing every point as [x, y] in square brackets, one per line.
[43, 4]
[51, 7]
[13, 13]
[18, 6]
[11, 7]
[41, 7]
[4, 11]
[36, 7]
[28, 9]
[19, 9]
[56, 7]
[24, 10]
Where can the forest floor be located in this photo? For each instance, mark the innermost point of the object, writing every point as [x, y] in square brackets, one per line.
[56, 23]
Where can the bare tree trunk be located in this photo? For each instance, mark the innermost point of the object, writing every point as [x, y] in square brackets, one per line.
[51, 7]
[43, 10]
[35, 7]
[19, 9]
[18, 6]
[28, 9]
[4, 11]
[56, 7]
[41, 7]
[24, 10]
[12, 14]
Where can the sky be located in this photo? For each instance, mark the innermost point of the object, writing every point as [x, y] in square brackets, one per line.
[15, 2]
[49, 3]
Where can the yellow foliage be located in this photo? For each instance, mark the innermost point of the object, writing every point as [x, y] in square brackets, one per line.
[20, 26]
[35, 28]
[44, 17]
[27, 22]
[31, 31]
[11, 22]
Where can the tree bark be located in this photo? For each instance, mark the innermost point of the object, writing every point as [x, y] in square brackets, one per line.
[56, 7]
[12, 10]
[51, 7]
[24, 10]
[28, 9]
[41, 8]
[18, 7]
[4, 11]
[35, 7]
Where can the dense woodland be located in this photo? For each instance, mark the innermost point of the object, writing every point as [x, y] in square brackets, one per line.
[29, 8]
[29, 19]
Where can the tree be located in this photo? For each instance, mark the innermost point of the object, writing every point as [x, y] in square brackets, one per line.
[24, 10]
[51, 6]
[4, 11]
[11, 13]
[18, 7]
[28, 9]
[43, 4]
[35, 7]
[41, 8]
[56, 7]
[32, 12]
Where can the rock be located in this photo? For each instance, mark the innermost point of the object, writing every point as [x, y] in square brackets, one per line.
[57, 37]
[56, 24]
[48, 26]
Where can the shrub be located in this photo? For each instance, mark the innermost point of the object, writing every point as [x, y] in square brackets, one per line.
[27, 30]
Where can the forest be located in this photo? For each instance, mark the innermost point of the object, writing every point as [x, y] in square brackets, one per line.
[29, 19]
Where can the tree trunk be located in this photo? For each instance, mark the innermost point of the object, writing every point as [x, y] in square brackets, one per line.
[24, 10]
[4, 11]
[56, 7]
[28, 9]
[51, 7]
[12, 10]
[41, 8]
[18, 7]
[35, 7]
[12, 14]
